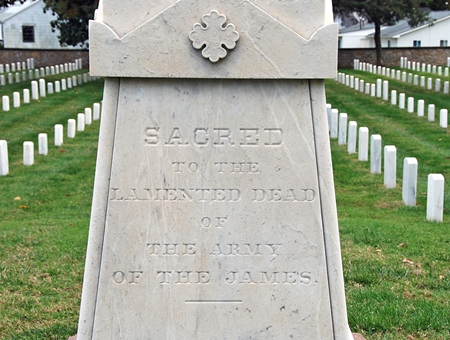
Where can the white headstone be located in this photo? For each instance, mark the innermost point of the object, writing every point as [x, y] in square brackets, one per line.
[390, 166]
[342, 138]
[17, 77]
[34, 90]
[16, 99]
[57, 86]
[2, 80]
[443, 118]
[4, 162]
[446, 87]
[431, 112]
[356, 84]
[26, 96]
[59, 135]
[385, 90]
[422, 81]
[5, 103]
[361, 85]
[254, 233]
[352, 136]
[63, 84]
[50, 88]
[393, 97]
[36, 73]
[69, 83]
[375, 154]
[363, 144]
[416, 80]
[409, 187]
[433, 69]
[379, 88]
[404, 77]
[401, 100]
[80, 122]
[28, 153]
[410, 104]
[43, 144]
[96, 113]
[435, 198]
[71, 128]
[42, 90]
[334, 123]
[372, 90]
[88, 116]
[430, 83]
[10, 78]
[438, 85]
[7, 68]
[420, 107]
[439, 71]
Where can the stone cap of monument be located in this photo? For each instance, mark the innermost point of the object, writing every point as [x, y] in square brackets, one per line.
[254, 39]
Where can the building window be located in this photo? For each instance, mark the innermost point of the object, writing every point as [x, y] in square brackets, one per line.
[28, 34]
[443, 43]
[417, 43]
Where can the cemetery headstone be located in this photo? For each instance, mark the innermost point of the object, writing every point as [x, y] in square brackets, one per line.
[59, 136]
[375, 154]
[28, 153]
[71, 128]
[409, 187]
[217, 216]
[435, 198]
[352, 135]
[390, 166]
[4, 161]
[43, 144]
[363, 144]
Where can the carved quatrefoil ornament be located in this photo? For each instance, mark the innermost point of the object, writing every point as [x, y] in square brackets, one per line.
[214, 36]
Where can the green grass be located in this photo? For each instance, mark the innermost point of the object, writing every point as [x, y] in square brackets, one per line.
[387, 298]
[44, 212]
[43, 235]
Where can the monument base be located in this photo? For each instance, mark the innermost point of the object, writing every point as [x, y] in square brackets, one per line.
[356, 336]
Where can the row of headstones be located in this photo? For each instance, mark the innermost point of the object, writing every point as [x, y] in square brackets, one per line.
[412, 65]
[411, 78]
[41, 89]
[381, 90]
[28, 65]
[337, 124]
[41, 72]
[73, 125]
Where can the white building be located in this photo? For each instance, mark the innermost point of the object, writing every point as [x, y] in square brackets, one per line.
[431, 34]
[27, 26]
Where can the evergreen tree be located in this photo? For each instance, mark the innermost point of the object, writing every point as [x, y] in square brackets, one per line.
[72, 19]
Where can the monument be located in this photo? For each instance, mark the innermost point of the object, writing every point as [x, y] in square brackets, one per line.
[214, 209]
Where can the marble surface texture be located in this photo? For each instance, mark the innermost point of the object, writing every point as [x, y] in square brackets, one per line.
[218, 218]
[271, 44]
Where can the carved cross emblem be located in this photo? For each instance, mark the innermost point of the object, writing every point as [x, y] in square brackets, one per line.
[214, 36]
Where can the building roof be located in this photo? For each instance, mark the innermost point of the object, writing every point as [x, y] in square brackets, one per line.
[402, 27]
[10, 11]
[399, 28]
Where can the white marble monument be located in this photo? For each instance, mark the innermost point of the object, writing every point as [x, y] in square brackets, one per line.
[214, 210]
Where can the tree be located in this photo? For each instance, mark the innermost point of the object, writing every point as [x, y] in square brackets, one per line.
[72, 19]
[383, 12]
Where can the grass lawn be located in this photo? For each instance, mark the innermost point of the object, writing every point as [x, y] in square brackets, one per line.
[45, 208]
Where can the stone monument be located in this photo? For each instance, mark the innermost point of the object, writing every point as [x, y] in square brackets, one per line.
[214, 209]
